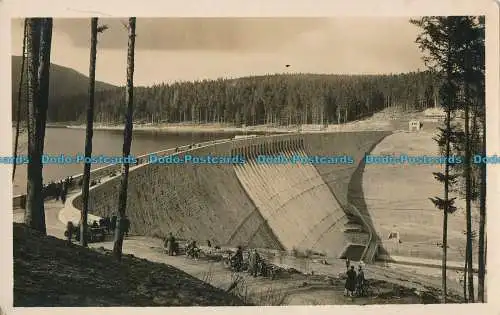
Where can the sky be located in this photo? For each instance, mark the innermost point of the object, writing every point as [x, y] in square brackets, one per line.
[187, 49]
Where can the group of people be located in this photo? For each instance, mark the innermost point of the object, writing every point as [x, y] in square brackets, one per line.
[236, 259]
[192, 249]
[355, 282]
[107, 223]
[171, 246]
[58, 190]
[110, 224]
[256, 264]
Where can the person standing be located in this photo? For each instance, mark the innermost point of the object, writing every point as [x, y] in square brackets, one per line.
[63, 197]
[252, 262]
[360, 281]
[113, 223]
[170, 242]
[107, 223]
[347, 263]
[69, 232]
[350, 284]
[259, 264]
[58, 190]
[237, 259]
[126, 225]
[64, 192]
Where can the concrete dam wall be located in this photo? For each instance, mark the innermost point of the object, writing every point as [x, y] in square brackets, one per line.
[278, 206]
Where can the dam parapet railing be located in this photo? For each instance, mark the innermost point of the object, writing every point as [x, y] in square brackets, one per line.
[250, 148]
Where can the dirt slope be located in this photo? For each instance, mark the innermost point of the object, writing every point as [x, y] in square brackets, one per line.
[47, 272]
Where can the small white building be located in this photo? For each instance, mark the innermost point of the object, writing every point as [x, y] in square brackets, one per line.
[414, 125]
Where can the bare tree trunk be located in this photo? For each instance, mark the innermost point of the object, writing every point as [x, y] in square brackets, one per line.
[44, 76]
[445, 212]
[127, 140]
[89, 132]
[465, 277]
[468, 190]
[39, 35]
[34, 195]
[445, 234]
[19, 100]
[482, 221]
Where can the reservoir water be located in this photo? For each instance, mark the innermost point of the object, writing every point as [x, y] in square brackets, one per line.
[105, 142]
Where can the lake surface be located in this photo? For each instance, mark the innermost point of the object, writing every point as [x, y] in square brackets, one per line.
[72, 142]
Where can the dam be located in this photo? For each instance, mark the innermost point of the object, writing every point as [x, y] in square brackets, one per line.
[304, 207]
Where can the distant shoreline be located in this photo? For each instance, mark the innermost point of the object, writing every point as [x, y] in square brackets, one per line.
[181, 128]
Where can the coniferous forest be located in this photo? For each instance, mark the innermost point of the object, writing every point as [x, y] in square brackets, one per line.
[279, 99]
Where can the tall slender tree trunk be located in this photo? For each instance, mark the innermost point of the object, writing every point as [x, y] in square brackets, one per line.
[445, 238]
[38, 44]
[19, 101]
[44, 76]
[482, 221]
[465, 276]
[127, 140]
[446, 198]
[468, 182]
[34, 198]
[90, 132]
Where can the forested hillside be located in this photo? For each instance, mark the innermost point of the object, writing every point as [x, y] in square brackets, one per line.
[63, 82]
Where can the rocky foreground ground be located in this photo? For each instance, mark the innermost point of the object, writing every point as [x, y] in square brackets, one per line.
[48, 272]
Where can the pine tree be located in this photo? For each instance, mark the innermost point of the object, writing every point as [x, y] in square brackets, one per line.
[38, 46]
[94, 30]
[19, 101]
[440, 40]
[478, 91]
[127, 141]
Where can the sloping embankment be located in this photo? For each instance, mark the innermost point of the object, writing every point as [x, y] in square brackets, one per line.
[48, 273]
[210, 202]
